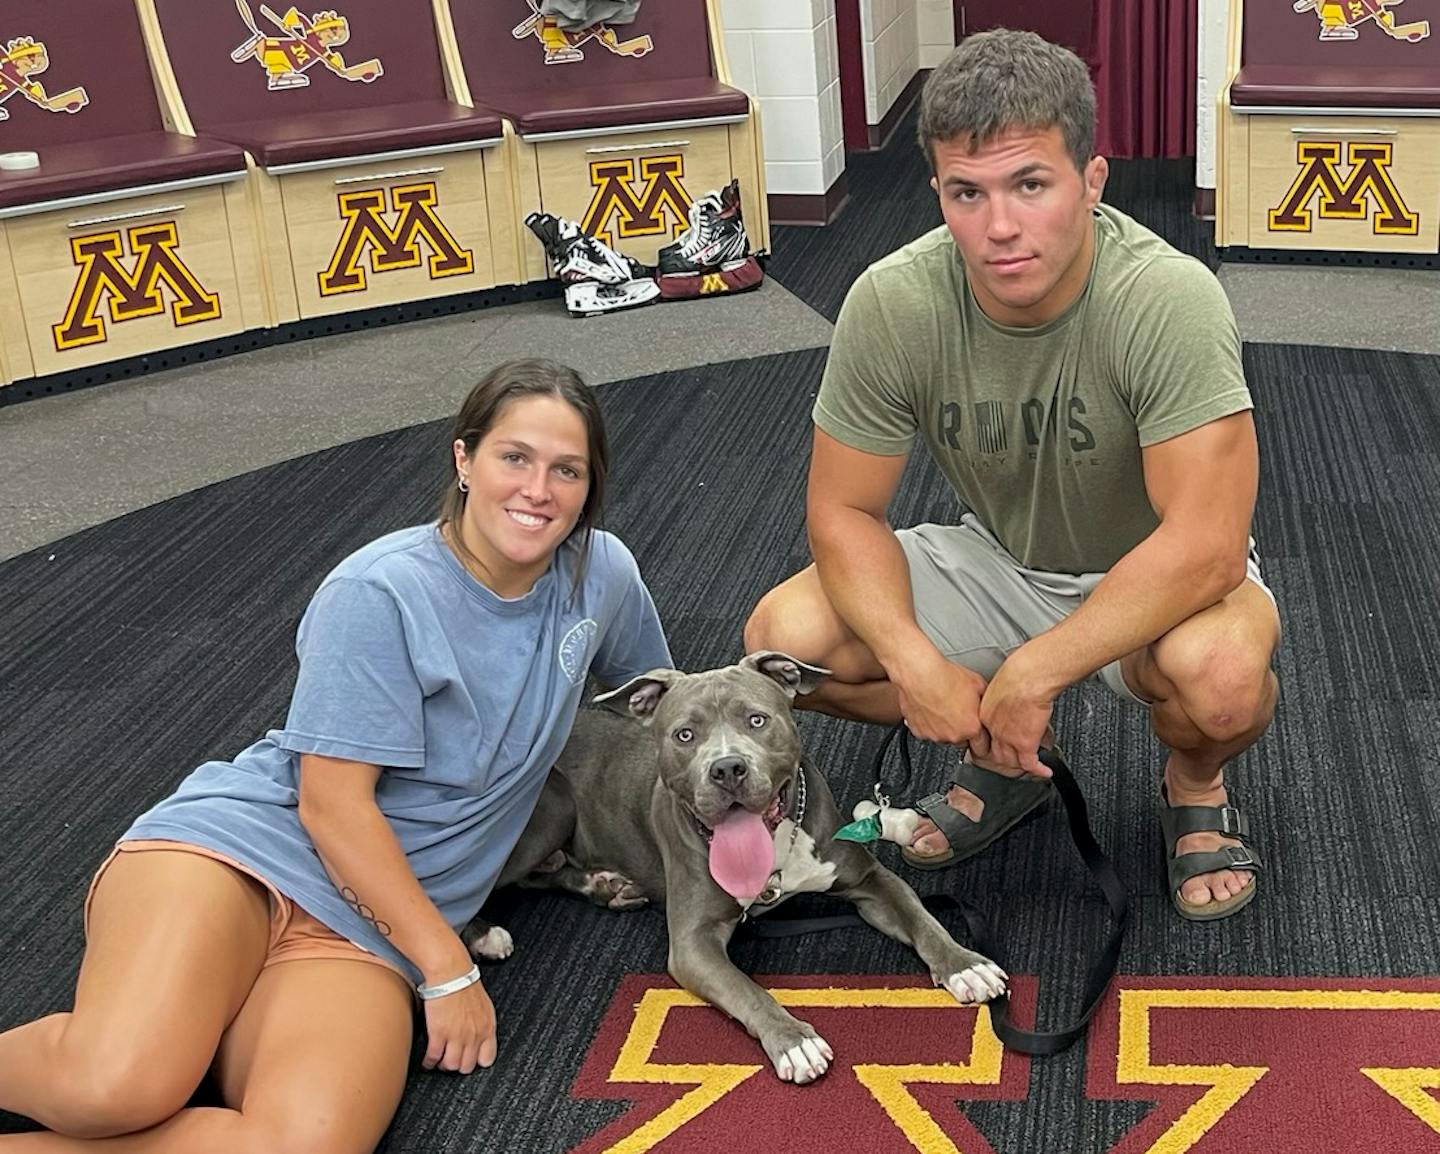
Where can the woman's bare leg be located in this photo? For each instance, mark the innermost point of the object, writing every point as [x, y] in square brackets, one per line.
[176, 941]
[316, 1061]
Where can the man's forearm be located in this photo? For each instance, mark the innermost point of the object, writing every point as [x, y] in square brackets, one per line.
[867, 580]
[1166, 579]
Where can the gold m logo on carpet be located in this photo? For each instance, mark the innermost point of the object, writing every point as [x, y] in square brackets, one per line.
[1308, 1066]
[904, 1052]
[1285, 1067]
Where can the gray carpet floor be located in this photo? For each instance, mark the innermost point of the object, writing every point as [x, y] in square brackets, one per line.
[164, 637]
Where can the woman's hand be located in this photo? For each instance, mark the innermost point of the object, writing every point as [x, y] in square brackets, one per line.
[461, 1031]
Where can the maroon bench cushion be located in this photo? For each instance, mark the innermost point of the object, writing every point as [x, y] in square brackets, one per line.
[360, 132]
[617, 105]
[1304, 86]
[86, 168]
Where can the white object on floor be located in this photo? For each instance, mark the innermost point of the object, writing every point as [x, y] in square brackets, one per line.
[896, 825]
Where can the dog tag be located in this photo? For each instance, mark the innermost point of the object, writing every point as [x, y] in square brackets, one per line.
[867, 829]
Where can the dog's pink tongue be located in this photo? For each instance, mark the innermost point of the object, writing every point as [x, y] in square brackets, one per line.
[742, 854]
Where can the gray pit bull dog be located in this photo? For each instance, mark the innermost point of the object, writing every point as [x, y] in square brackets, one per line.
[708, 807]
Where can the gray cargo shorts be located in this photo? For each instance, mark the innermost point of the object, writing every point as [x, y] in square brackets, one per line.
[978, 604]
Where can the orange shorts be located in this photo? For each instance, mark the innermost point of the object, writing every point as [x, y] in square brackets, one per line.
[295, 934]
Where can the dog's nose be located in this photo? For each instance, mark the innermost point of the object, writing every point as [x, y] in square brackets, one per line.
[727, 771]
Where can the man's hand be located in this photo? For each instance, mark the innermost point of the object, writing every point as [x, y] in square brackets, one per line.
[1015, 712]
[940, 701]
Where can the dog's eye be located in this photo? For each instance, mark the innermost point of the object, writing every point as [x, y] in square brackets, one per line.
[758, 720]
[684, 736]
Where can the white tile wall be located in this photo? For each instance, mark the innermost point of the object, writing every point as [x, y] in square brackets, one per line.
[782, 52]
[1210, 79]
[890, 42]
[935, 24]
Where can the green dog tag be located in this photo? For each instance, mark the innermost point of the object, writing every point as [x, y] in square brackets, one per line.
[866, 829]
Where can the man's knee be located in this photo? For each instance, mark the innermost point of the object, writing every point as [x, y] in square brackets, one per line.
[759, 625]
[787, 620]
[1225, 686]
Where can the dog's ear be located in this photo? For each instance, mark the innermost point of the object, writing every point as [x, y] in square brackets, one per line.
[639, 696]
[791, 674]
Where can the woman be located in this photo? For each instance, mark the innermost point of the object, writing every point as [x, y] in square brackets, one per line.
[441, 668]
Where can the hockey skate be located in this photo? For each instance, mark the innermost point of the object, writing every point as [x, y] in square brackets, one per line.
[712, 256]
[716, 234]
[597, 279]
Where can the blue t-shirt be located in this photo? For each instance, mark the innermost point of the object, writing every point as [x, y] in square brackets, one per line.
[463, 697]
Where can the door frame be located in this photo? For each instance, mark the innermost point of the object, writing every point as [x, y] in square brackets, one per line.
[850, 56]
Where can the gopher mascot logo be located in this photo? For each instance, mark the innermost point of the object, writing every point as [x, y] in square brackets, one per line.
[306, 42]
[562, 45]
[25, 57]
[1342, 20]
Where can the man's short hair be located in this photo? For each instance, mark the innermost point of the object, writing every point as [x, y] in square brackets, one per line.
[998, 80]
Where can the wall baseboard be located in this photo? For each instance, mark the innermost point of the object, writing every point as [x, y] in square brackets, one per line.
[881, 133]
[814, 209]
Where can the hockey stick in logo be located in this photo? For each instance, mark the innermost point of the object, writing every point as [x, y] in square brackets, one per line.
[636, 46]
[246, 50]
[1414, 32]
[530, 23]
[71, 100]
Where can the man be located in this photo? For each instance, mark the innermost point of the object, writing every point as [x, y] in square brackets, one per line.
[1079, 383]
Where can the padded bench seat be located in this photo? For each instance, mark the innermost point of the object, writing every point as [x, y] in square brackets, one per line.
[1307, 86]
[592, 108]
[320, 136]
[88, 168]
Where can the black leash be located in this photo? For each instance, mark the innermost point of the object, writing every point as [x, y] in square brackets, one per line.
[1037, 1042]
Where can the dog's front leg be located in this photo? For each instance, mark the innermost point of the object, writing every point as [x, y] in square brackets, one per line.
[700, 963]
[893, 908]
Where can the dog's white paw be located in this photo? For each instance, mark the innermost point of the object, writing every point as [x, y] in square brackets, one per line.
[981, 982]
[805, 1062]
[494, 945]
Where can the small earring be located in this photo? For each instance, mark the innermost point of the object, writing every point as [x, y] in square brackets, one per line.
[462, 483]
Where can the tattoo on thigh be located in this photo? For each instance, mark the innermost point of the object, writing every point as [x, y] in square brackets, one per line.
[352, 899]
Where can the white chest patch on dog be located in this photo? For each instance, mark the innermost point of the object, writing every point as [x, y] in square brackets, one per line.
[798, 868]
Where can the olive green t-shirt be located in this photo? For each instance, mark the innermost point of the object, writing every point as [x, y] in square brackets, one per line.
[1039, 430]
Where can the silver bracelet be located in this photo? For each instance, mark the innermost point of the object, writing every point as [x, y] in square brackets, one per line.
[454, 985]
